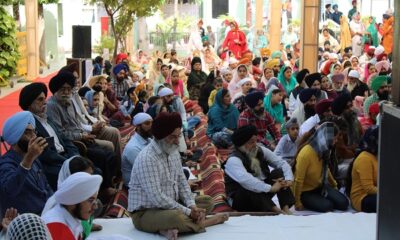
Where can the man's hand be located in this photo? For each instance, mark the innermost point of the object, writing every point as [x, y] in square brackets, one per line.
[276, 186]
[10, 214]
[198, 215]
[287, 183]
[88, 138]
[35, 148]
[96, 128]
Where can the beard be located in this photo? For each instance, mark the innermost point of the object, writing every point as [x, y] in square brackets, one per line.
[259, 112]
[23, 144]
[145, 134]
[350, 117]
[168, 148]
[384, 95]
[309, 111]
[77, 212]
[255, 163]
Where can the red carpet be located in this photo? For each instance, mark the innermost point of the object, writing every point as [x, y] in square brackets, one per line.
[9, 104]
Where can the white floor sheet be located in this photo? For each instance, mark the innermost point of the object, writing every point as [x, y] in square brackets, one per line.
[329, 226]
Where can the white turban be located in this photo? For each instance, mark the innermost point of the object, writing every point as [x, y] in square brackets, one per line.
[165, 92]
[233, 60]
[141, 118]
[77, 188]
[243, 81]
[333, 56]
[139, 74]
[379, 50]
[225, 70]
[15, 126]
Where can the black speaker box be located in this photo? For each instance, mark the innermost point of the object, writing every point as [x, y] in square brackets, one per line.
[81, 42]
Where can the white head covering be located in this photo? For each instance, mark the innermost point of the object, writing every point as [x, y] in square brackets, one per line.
[28, 226]
[379, 50]
[354, 74]
[141, 118]
[165, 92]
[382, 64]
[243, 81]
[77, 188]
[233, 60]
[139, 74]
[333, 56]
[225, 70]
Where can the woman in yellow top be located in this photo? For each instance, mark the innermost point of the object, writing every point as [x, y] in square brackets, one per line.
[364, 173]
[314, 187]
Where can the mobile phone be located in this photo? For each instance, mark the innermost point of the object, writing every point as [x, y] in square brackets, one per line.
[50, 141]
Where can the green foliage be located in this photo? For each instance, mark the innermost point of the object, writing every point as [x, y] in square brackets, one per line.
[165, 30]
[105, 42]
[124, 12]
[8, 45]
[23, 1]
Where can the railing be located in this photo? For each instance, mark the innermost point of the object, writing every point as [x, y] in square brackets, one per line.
[159, 39]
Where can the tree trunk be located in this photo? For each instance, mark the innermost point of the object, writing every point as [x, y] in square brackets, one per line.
[143, 35]
[16, 15]
[116, 38]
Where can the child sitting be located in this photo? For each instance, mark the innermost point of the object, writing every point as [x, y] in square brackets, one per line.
[217, 86]
[287, 146]
[245, 84]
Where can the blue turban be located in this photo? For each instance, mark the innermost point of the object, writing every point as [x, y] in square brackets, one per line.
[15, 126]
[117, 68]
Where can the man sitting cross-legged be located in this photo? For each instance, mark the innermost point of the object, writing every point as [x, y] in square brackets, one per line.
[160, 199]
[250, 185]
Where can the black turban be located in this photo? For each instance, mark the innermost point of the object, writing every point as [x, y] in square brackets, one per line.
[340, 103]
[243, 134]
[30, 92]
[311, 78]
[60, 79]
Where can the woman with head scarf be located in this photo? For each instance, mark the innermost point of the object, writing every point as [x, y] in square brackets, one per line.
[222, 120]
[196, 80]
[356, 28]
[370, 37]
[314, 186]
[239, 74]
[362, 185]
[273, 105]
[345, 35]
[268, 73]
[206, 90]
[287, 79]
[235, 41]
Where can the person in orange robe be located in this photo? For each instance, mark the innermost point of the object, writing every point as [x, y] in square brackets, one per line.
[387, 33]
[235, 41]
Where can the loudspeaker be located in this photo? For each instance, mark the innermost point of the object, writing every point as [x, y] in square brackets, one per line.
[81, 42]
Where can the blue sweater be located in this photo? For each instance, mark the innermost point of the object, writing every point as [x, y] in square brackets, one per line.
[25, 190]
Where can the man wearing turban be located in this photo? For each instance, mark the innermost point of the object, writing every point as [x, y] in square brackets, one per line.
[23, 184]
[75, 200]
[250, 185]
[306, 108]
[33, 98]
[120, 83]
[256, 115]
[160, 200]
[64, 115]
[141, 138]
[379, 86]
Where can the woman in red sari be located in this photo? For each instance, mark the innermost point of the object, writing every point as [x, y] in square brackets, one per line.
[235, 41]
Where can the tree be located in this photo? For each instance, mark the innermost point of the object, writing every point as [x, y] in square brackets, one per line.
[122, 14]
[8, 44]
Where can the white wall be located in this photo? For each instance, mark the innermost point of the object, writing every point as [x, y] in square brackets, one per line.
[75, 12]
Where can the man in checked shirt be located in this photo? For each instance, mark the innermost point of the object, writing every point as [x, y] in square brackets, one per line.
[160, 199]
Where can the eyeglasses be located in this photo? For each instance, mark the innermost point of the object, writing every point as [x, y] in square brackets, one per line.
[92, 201]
